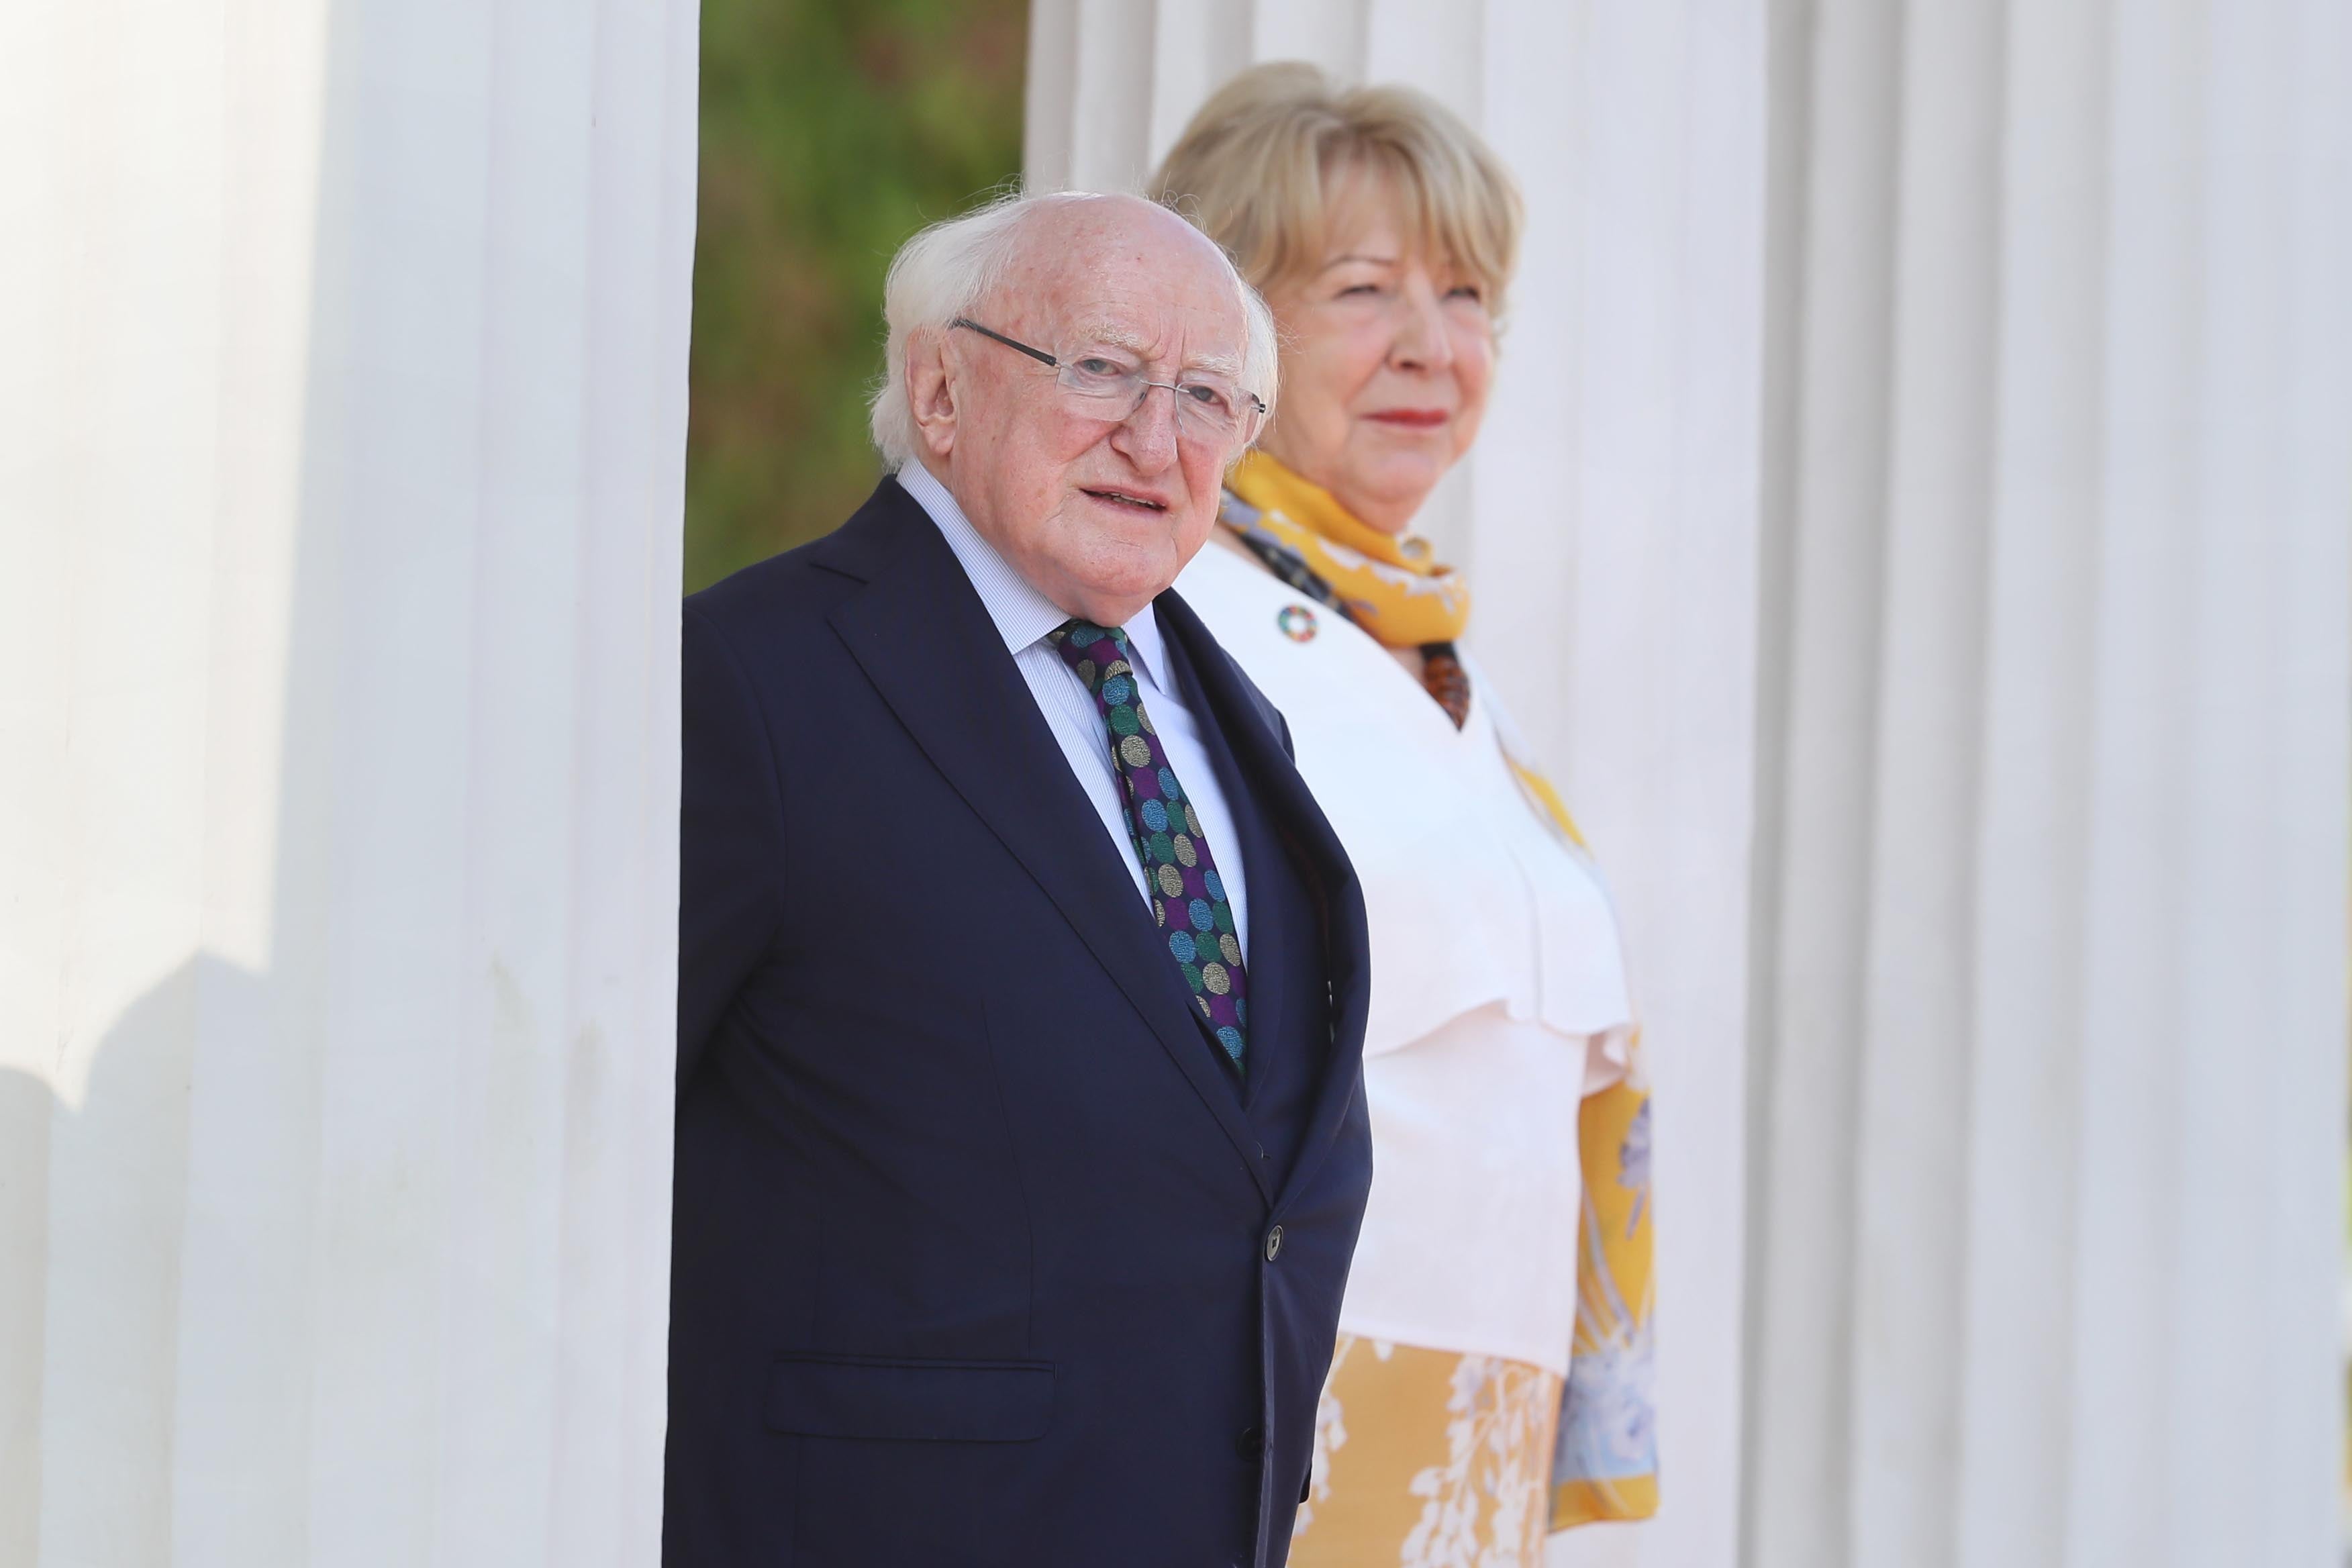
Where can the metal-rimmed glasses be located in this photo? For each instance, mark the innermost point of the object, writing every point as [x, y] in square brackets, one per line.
[1101, 382]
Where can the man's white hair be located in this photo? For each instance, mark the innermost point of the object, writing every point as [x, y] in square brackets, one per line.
[948, 270]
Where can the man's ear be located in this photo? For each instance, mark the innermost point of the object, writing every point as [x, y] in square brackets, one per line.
[930, 391]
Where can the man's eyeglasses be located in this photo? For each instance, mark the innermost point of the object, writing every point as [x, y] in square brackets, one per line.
[1103, 383]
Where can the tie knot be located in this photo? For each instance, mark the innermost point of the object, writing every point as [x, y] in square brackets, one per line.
[1096, 653]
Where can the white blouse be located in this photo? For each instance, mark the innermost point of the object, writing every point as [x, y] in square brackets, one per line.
[1498, 986]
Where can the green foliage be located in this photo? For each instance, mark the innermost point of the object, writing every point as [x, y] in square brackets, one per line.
[830, 132]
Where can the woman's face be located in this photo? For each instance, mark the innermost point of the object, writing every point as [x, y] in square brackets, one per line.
[1387, 355]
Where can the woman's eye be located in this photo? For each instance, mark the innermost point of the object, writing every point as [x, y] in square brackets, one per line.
[1469, 291]
[1360, 290]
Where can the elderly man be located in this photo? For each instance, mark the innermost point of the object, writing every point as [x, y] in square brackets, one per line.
[1021, 1137]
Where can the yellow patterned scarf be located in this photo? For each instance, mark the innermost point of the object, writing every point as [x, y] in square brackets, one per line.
[1605, 1460]
[1604, 1463]
[1387, 584]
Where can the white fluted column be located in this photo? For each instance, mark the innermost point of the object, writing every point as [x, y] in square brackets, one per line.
[1608, 515]
[342, 432]
[2052, 871]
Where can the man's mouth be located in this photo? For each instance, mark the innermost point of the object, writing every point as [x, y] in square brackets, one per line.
[1128, 499]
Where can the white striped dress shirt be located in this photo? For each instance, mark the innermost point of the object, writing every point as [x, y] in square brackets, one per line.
[1023, 619]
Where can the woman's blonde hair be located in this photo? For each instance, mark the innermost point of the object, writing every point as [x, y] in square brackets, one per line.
[1255, 170]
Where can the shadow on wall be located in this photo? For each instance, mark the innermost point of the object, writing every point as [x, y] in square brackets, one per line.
[93, 1211]
[24, 1115]
[289, 1207]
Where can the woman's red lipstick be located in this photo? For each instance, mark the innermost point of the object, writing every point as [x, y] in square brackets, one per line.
[1413, 418]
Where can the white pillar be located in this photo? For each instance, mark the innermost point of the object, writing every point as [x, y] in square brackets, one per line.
[342, 431]
[1608, 515]
[2052, 861]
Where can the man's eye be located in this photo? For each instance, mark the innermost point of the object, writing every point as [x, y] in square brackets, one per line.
[1092, 366]
[1207, 396]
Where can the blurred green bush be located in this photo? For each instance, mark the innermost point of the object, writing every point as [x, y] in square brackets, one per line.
[830, 132]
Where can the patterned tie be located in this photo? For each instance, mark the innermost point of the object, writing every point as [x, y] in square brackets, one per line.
[1188, 897]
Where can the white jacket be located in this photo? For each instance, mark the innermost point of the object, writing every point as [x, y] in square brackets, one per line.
[1498, 985]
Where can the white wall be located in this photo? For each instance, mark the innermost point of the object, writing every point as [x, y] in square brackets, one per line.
[2040, 608]
[1608, 517]
[2057, 684]
[341, 424]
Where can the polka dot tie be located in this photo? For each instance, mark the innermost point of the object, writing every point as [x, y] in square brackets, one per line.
[1188, 897]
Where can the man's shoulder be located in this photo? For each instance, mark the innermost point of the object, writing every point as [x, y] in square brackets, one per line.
[796, 581]
[800, 587]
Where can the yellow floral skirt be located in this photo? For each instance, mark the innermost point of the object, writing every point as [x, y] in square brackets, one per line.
[1428, 1458]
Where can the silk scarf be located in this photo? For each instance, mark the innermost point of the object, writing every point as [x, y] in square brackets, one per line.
[1604, 1461]
[1386, 584]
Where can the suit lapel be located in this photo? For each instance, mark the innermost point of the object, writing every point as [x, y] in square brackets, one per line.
[1283, 795]
[921, 635]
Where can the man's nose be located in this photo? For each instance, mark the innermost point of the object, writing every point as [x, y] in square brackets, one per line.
[1148, 435]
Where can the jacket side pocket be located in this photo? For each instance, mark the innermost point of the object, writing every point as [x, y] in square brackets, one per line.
[910, 1401]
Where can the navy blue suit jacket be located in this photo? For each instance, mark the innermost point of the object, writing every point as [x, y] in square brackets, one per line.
[983, 1254]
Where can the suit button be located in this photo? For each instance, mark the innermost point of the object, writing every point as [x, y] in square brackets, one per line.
[1274, 1244]
[1250, 1443]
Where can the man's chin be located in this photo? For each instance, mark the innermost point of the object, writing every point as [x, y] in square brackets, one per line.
[1112, 609]
[1114, 592]
[1114, 599]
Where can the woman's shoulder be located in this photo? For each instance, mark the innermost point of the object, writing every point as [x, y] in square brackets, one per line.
[1510, 740]
[1302, 653]
[1517, 758]
[1246, 606]
[1225, 571]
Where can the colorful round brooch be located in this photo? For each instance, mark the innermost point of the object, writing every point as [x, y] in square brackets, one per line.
[1296, 621]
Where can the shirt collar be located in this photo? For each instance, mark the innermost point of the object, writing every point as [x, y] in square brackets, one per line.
[1021, 614]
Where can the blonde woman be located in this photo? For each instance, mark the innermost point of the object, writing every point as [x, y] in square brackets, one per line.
[1492, 1376]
